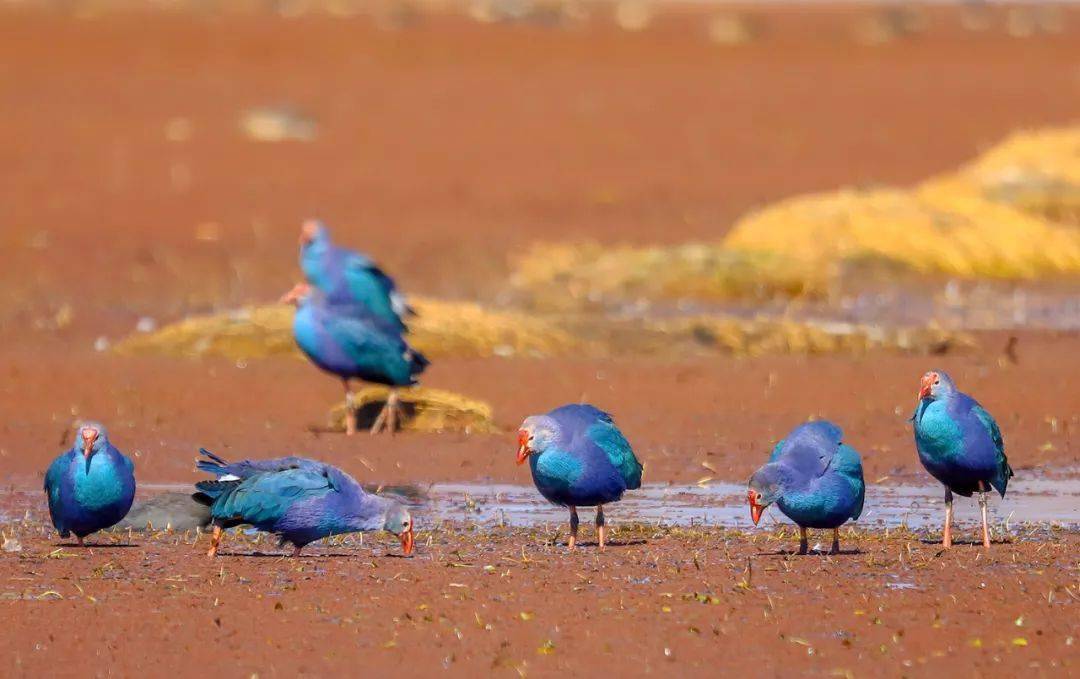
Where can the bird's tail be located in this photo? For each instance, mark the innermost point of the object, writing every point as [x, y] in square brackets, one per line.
[207, 492]
[213, 465]
[417, 362]
[1005, 472]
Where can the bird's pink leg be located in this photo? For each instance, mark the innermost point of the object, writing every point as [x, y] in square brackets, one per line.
[804, 545]
[80, 540]
[215, 540]
[350, 410]
[835, 541]
[946, 538]
[600, 526]
[573, 527]
[296, 551]
[986, 524]
[388, 416]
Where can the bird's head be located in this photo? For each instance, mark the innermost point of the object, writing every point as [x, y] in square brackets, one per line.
[935, 384]
[297, 295]
[399, 522]
[763, 490]
[311, 231]
[91, 438]
[534, 436]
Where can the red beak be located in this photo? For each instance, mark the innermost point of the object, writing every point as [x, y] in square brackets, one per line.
[407, 540]
[298, 291]
[88, 436]
[925, 386]
[523, 446]
[756, 510]
[308, 231]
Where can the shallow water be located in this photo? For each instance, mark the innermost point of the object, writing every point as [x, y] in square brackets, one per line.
[1029, 501]
[1038, 500]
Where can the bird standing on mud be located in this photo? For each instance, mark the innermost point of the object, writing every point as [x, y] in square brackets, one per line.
[960, 444]
[347, 342]
[578, 458]
[91, 486]
[349, 278]
[814, 477]
[297, 499]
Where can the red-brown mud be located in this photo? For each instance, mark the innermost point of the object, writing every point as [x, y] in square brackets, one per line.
[442, 149]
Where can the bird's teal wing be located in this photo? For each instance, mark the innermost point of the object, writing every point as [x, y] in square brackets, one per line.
[371, 342]
[1005, 472]
[54, 476]
[777, 449]
[370, 286]
[609, 439]
[264, 498]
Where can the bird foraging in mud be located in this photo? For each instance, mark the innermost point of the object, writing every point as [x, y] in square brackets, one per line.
[345, 341]
[578, 458]
[91, 486]
[297, 499]
[814, 478]
[961, 446]
[349, 278]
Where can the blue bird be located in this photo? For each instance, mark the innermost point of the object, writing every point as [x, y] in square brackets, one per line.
[349, 278]
[351, 344]
[91, 486]
[578, 458]
[960, 444]
[297, 499]
[814, 477]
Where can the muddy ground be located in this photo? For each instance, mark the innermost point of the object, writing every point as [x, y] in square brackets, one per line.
[443, 149]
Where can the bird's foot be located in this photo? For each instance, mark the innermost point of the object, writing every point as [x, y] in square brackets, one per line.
[296, 551]
[600, 533]
[571, 543]
[350, 421]
[82, 543]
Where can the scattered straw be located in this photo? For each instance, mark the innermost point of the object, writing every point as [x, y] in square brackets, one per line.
[425, 410]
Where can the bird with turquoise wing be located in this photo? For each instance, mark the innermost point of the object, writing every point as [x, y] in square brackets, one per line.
[91, 486]
[960, 444]
[298, 499]
[347, 342]
[349, 278]
[578, 458]
[814, 478]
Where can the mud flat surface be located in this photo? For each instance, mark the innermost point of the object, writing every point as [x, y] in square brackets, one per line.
[513, 602]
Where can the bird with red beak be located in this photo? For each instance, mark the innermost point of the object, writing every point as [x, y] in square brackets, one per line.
[578, 458]
[91, 486]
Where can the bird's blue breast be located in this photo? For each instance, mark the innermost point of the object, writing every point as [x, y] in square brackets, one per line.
[955, 447]
[567, 479]
[86, 499]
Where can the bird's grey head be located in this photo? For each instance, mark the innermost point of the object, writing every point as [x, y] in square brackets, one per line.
[763, 489]
[91, 438]
[936, 384]
[399, 522]
[313, 231]
[536, 433]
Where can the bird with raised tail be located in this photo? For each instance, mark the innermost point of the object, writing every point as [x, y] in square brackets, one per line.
[297, 499]
[91, 486]
[578, 458]
[960, 444]
[348, 342]
[814, 478]
[348, 277]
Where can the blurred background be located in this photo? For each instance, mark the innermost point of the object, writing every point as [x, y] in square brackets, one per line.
[689, 196]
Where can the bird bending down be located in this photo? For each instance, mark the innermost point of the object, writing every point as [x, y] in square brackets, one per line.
[350, 343]
[297, 499]
[814, 477]
[960, 444]
[579, 458]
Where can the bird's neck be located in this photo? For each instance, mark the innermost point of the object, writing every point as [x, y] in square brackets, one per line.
[367, 512]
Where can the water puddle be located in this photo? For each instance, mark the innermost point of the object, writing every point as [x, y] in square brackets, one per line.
[1029, 501]
[1037, 500]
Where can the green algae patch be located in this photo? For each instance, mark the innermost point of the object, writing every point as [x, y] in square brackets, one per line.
[424, 410]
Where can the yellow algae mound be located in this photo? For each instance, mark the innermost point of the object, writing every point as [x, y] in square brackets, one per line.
[425, 410]
[565, 276]
[1010, 214]
[441, 328]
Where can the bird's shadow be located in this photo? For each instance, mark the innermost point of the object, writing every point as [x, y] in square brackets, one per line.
[613, 543]
[288, 555]
[963, 543]
[91, 545]
[813, 552]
